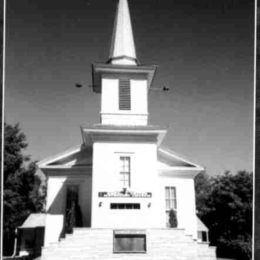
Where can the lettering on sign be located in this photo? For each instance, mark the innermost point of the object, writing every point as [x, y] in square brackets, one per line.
[128, 194]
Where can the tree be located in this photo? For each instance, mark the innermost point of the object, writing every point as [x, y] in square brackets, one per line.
[225, 207]
[14, 144]
[21, 185]
[202, 188]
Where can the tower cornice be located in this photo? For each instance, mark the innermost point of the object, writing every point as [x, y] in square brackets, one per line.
[143, 71]
[112, 133]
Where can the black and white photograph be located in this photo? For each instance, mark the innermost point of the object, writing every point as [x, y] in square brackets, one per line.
[128, 130]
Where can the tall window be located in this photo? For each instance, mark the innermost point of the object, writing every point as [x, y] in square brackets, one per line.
[170, 201]
[124, 94]
[125, 171]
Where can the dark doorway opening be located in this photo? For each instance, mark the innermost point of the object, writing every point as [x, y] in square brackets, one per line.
[73, 216]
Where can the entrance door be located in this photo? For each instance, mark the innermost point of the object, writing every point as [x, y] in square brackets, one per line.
[73, 216]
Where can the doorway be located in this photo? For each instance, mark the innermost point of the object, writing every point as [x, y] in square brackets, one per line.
[73, 215]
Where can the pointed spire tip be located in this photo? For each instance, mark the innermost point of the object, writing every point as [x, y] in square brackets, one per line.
[122, 45]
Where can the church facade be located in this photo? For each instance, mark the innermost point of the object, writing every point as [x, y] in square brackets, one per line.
[120, 194]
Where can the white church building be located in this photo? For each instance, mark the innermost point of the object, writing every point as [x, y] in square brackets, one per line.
[119, 194]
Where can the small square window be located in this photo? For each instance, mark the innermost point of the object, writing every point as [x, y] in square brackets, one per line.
[121, 206]
[113, 206]
[203, 236]
[136, 206]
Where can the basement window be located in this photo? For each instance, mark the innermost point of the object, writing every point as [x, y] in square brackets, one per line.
[125, 206]
[129, 243]
[124, 94]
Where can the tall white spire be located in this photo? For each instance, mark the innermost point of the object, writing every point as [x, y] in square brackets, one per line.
[122, 46]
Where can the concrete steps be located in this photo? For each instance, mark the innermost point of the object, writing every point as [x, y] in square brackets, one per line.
[161, 244]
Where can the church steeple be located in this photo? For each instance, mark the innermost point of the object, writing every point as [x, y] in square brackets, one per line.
[122, 82]
[122, 45]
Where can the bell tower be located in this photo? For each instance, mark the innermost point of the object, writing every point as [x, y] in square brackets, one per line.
[123, 82]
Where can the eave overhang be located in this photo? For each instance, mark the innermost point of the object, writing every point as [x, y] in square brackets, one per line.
[47, 161]
[66, 162]
[67, 171]
[182, 172]
[172, 165]
[139, 71]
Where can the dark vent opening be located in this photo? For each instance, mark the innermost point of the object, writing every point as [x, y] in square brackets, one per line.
[124, 94]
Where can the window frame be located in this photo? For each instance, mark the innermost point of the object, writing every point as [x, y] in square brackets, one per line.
[125, 171]
[203, 236]
[172, 198]
[129, 235]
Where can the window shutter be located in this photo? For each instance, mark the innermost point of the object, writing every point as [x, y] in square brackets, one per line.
[124, 94]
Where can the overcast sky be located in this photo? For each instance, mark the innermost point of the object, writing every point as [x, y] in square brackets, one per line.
[204, 50]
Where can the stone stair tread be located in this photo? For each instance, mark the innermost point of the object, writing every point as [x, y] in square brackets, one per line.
[97, 244]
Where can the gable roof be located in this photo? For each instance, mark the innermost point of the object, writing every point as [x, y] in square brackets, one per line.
[172, 159]
[78, 156]
[201, 226]
[34, 220]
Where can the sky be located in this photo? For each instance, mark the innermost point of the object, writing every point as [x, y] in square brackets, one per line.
[205, 56]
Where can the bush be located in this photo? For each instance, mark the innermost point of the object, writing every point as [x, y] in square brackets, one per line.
[173, 219]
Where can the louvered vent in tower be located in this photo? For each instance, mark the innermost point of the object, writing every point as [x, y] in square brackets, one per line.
[124, 94]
